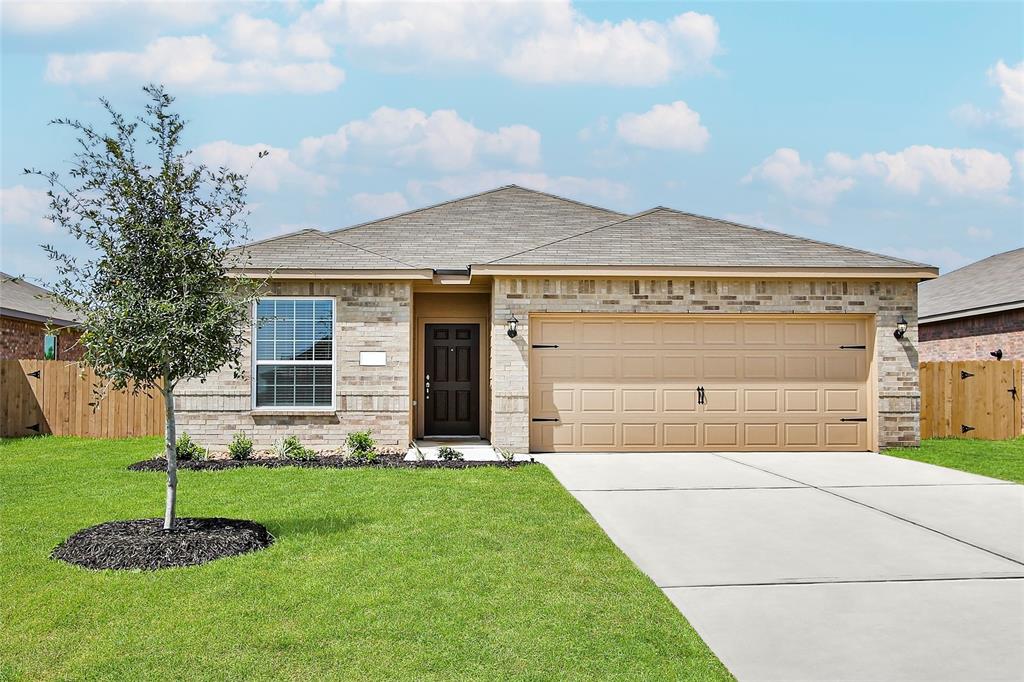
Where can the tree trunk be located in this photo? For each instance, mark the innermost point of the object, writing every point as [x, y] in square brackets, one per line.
[171, 452]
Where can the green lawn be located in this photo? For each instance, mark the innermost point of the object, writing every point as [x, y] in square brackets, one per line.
[430, 574]
[998, 459]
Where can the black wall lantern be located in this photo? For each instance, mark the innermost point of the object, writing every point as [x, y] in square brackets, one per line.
[512, 323]
[901, 328]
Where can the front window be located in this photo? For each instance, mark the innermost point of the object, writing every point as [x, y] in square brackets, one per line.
[294, 352]
[50, 347]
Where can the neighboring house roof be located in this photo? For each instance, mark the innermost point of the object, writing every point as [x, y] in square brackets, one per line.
[513, 226]
[991, 285]
[666, 237]
[26, 301]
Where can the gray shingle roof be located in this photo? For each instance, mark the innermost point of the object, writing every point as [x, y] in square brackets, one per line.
[666, 237]
[20, 299]
[516, 226]
[310, 249]
[476, 229]
[994, 282]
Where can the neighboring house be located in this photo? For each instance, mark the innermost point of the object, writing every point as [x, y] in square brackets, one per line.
[546, 324]
[26, 312]
[972, 312]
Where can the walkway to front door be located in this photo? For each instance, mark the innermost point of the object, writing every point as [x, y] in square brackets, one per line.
[452, 380]
[822, 566]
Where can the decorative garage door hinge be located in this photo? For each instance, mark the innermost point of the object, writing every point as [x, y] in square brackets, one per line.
[853, 347]
[964, 375]
[544, 419]
[854, 419]
[964, 428]
[544, 345]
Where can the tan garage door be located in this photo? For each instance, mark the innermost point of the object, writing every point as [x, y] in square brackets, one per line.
[631, 383]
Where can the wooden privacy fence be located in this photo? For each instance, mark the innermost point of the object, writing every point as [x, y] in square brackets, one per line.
[53, 396]
[971, 399]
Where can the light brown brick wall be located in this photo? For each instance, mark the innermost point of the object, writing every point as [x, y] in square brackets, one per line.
[898, 389]
[973, 338]
[368, 316]
[23, 340]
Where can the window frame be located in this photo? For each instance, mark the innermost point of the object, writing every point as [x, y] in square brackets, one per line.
[56, 345]
[333, 362]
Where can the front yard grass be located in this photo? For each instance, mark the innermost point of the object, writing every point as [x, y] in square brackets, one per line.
[996, 458]
[425, 574]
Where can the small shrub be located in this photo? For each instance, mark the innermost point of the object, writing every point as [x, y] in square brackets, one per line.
[240, 447]
[290, 447]
[189, 450]
[506, 454]
[449, 454]
[360, 445]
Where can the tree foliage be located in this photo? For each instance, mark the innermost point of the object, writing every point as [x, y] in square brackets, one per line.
[153, 295]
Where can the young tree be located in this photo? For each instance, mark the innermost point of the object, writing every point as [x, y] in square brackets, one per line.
[153, 294]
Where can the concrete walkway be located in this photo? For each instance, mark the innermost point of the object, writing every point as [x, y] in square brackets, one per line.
[822, 566]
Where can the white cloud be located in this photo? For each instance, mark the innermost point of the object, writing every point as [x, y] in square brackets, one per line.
[1018, 159]
[958, 171]
[626, 53]
[1010, 81]
[269, 173]
[442, 140]
[596, 189]
[549, 42]
[979, 233]
[377, 205]
[197, 62]
[798, 179]
[944, 257]
[22, 206]
[665, 126]
[50, 16]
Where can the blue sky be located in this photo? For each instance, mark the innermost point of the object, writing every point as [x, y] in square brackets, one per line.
[895, 127]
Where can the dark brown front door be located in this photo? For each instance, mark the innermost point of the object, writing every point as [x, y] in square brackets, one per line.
[452, 380]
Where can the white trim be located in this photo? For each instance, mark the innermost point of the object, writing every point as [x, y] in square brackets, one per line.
[333, 362]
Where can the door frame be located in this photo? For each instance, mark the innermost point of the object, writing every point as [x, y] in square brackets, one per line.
[870, 320]
[419, 368]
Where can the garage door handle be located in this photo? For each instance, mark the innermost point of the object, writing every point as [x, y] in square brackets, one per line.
[854, 419]
[544, 419]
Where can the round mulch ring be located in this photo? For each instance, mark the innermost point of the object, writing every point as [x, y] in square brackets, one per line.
[144, 544]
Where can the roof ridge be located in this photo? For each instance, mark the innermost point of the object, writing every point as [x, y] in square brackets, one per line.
[417, 210]
[463, 198]
[982, 260]
[797, 237]
[275, 238]
[580, 234]
[379, 255]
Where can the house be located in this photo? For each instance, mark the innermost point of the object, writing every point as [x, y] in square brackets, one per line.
[546, 324]
[973, 312]
[33, 326]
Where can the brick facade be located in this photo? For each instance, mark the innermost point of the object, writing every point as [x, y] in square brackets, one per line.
[369, 316]
[23, 340]
[896, 361]
[377, 316]
[973, 338]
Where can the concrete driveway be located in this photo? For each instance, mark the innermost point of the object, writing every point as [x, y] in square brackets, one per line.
[822, 566]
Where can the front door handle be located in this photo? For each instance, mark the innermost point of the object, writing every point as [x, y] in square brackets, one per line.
[426, 389]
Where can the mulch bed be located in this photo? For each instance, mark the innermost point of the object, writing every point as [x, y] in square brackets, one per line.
[321, 462]
[144, 544]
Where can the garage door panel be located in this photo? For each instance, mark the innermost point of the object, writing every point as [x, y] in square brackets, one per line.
[774, 382]
[640, 400]
[597, 435]
[637, 436]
